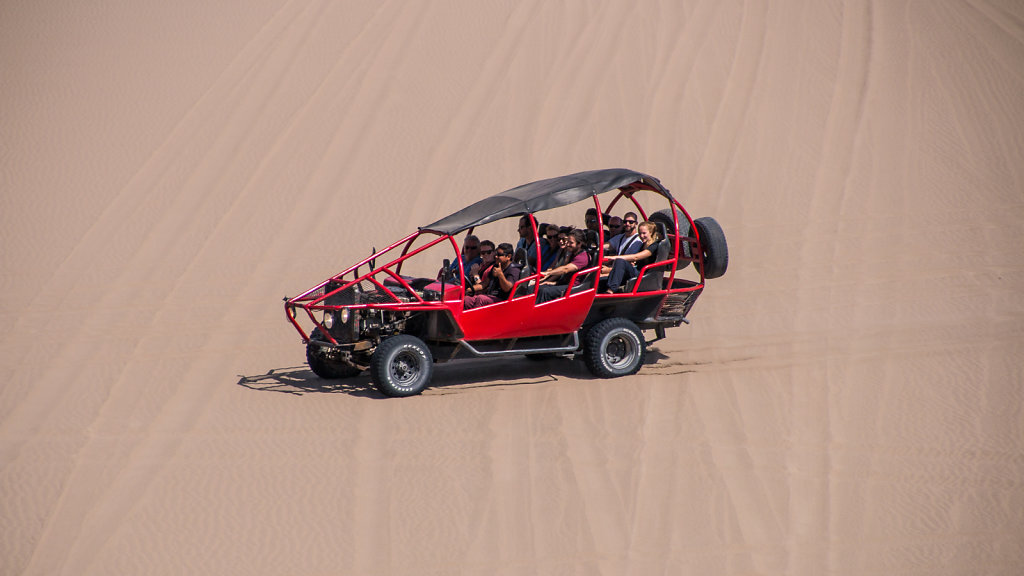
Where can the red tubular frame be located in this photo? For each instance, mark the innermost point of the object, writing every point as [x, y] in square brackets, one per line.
[564, 314]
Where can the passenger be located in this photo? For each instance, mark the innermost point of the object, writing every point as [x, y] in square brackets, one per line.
[487, 260]
[526, 238]
[629, 221]
[560, 254]
[614, 229]
[627, 266]
[555, 281]
[549, 249]
[614, 226]
[629, 229]
[499, 278]
[592, 222]
[564, 254]
[527, 241]
[627, 242]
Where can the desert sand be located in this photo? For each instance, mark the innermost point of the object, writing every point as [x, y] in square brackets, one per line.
[847, 400]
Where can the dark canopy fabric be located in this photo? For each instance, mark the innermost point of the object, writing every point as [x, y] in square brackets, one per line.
[541, 195]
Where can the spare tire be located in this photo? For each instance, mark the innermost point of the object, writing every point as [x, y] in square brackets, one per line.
[712, 243]
[665, 217]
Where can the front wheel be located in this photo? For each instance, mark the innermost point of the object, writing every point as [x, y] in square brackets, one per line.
[401, 366]
[614, 347]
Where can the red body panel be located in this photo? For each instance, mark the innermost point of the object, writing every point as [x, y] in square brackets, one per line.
[521, 318]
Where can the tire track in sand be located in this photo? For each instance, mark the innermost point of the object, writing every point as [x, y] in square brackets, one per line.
[811, 496]
[189, 403]
[69, 524]
[731, 113]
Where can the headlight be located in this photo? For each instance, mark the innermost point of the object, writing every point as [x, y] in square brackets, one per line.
[345, 313]
[328, 319]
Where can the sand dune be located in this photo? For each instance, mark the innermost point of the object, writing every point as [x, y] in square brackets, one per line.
[847, 400]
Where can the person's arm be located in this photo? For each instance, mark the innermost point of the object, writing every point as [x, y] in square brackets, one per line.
[560, 271]
[611, 245]
[504, 281]
[477, 283]
[645, 253]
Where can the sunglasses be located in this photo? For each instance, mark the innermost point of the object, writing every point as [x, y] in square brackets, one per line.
[629, 221]
[501, 254]
[486, 252]
[552, 237]
[615, 226]
[468, 247]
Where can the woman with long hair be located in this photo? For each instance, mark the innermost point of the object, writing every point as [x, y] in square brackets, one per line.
[555, 281]
[625, 267]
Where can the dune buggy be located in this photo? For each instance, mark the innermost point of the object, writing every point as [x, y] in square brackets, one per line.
[400, 310]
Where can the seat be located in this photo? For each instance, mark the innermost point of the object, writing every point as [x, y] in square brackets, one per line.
[521, 258]
[587, 280]
[524, 289]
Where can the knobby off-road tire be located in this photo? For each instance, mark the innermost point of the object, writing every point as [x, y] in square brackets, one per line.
[712, 241]
[665, 217]
[401, 366]
[325, 368]
[614, 347]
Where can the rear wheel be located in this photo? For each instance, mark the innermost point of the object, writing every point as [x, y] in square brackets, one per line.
[401, 366]
[614, 347]
[712, 242]
[322, 367]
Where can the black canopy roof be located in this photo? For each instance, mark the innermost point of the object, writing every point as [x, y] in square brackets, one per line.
[541, 195]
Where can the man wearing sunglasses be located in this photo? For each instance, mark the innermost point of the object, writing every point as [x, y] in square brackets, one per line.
[626, 240]
[525, 235]
[486, 261]
[590, 219]
[614, 229]
[527, 241]
[496, 285]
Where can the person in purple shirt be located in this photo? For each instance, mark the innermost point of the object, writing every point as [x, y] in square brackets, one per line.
[555, 281]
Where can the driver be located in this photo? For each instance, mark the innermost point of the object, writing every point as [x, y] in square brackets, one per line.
[470, 256]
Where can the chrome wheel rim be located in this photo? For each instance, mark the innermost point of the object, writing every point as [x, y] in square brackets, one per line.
[621, 350]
